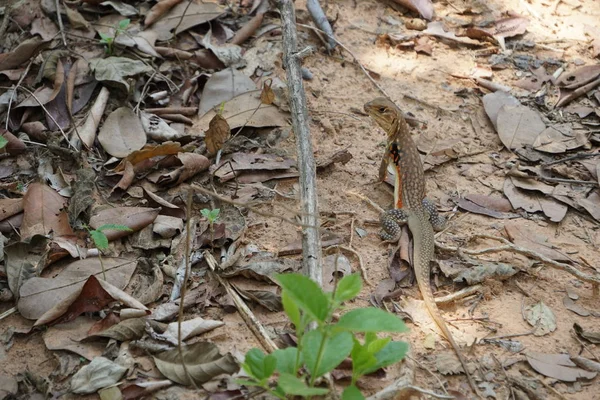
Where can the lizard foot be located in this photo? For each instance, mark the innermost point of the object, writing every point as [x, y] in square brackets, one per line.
[391, 224]
[438, 222]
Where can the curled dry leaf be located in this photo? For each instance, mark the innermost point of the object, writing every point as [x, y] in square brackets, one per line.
[267, 96]
[192, 164]
[519, 126]
[10, 207]
[86, 134]
[116, 69]
[437, 29]
[135, 218]
[580, 77]
[593, 337]
[158, 10]
[217, 134]
[129, 329]
[38, 295]
[44, 212]
[203, 362]
[157, 129]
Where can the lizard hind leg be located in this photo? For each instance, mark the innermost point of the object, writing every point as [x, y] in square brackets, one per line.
[391, 224]
[438, 222]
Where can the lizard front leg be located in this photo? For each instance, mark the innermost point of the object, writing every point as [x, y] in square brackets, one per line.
[392, 221]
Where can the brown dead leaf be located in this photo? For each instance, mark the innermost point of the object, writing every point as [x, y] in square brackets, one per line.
[593, 337]
[579, 77]
[10, 207]
[122, 133]
[147, 152]
[244, 162]
[518, 191]
[557, 366]
[158, 10]
[140, 390]
[24, 52]
[518, 126]
[167, 208]
[68, 336]
[246, 109]
[135, 218]
[44, 212]
[481, 205]
[578, 309]
[530, 239]
[94, 295]
[184, 16]
[202, 359]
[267, 96]
[591, 205]
[493, 102]
[223, 86]
[560, 138]
[423, 45]
[217, 134]
[506, 27]
[38, 295]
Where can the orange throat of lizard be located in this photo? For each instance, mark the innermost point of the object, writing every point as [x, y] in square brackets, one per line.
[394, 155]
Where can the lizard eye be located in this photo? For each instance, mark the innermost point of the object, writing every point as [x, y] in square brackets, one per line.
[382, 109]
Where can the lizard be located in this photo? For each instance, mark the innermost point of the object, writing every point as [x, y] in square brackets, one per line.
[411, 206]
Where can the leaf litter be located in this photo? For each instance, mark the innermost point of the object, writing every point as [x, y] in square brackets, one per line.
[117, 129]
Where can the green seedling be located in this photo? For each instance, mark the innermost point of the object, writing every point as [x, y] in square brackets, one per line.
[212, 216]
[101, 241]
[3, 142]
[323, 348]
[109, 40]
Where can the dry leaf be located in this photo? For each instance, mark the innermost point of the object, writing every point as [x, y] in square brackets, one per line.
[541, 317]
[94, 295]
[135, 218]
[100, 373]
[184, 16]
[147, 152]
[557, 366]
[436, 28]
[267, 96]
[203, 362]
[593, 337]
[38, 295]
[223, 86]
[122, 133]
[68, 336]
[518, 126]
[217, 134]
[44, 212]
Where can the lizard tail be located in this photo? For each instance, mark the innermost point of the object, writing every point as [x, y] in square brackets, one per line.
[423, 251]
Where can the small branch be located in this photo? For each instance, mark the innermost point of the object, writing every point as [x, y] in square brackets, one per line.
[311, 246]
[61, 27]
[319, 18]
[465, 292]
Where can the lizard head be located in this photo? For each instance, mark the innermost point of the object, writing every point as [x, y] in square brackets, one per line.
[384, 112]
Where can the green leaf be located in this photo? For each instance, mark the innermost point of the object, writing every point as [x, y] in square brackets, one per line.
[105, 37]
[306, 294]
[296, 387]
[352, 393]
[333, 351]
[259, 366]
[291, 309]
[377, 345]
[371, 320]
[390, 354]
[3, 142]
[124, 23]
[348, 288]
[114, 227]
[214, 214]
[286, 360]
[99, 239]
[362, 359]
[205, 212]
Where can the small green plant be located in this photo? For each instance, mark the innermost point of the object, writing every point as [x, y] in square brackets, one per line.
[212, 216]
[3, 142]
[109, 40]
[101, 241]
[322, 349]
